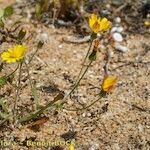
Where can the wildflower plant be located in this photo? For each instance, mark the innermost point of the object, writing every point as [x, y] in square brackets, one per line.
[96, 25]
[16, 54]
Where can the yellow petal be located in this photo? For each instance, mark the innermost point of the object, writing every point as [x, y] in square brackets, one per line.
[92, 20]
[96, 27]
[105, 24]
[93, 23]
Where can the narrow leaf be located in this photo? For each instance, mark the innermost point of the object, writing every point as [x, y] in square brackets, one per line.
[38, 9]
[1, 13]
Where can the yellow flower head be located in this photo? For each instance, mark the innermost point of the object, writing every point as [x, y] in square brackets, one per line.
[97, 24]
[14, 54]
[108, 83]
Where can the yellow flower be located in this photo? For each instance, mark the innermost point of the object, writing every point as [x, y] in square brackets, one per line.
[14, 54]
[97, 24]
[108, 83]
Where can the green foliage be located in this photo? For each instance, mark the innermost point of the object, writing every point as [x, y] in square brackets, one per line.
[1, 13]
[3, 81]
[40, 7]
[4, 13]
[1, 24]
[8, 11]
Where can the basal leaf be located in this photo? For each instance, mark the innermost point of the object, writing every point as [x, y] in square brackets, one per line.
[8, 11]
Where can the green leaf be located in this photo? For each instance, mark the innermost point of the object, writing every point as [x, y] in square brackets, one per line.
[3, 81]
[3, 115]
[36, 113]
[38, 9]
[21, 35]
[1, 23]
[1, 13]
[8, 11]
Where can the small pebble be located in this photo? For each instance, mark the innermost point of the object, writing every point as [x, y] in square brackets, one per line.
[114, 29]
[89, 114]
[121, 48]
[120, 29]
[84, 115]
[117, 29]
[117, 19]
[60, 46]
[43, 37]
[117, 37]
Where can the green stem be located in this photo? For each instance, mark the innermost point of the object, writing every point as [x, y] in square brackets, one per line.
[13, 72]
[41, 110]
[36, 113]
[30, 81]
[18, 88]
[90, 45]
[79, 109]
[78, 82]
[91, 41]
[33, 89]
[31, 58]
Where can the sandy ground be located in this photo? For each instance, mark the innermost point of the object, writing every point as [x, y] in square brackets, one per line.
[120, 121]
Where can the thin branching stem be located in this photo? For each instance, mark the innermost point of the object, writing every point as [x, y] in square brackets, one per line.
[33, 89]
[18, 88]
[86, 107]
[91, 41]
[31, 58]
[79, 80]
[30, 81]
[13, 71]
[86, 69]
[36, 113]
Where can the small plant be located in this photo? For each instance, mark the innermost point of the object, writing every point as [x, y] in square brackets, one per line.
[17, 53]
[4, 14]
